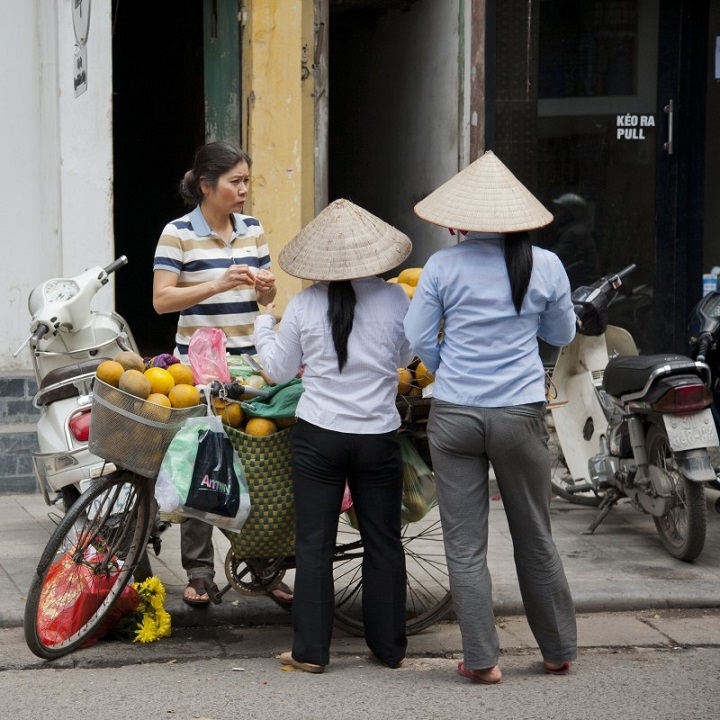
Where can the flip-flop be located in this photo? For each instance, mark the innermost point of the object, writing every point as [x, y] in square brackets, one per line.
[564, 669]
[473, 677]
[200, 587]
[286, 658]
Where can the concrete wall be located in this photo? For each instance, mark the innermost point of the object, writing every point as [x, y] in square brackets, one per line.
[399, 123]
[56, 186]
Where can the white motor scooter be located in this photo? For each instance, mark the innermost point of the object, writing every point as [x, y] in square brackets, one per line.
[632, 426]
[68, 341]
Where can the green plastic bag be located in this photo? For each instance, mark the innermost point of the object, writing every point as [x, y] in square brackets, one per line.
[419, 491]
[281, 402]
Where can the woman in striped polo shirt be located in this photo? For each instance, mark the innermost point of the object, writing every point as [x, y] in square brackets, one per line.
[212, 265]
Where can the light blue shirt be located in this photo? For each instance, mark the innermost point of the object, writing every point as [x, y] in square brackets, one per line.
[488, 356]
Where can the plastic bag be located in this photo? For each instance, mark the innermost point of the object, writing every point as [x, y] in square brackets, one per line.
[214, 485]
[347, 499]
[72, 592]
[419, 492]
[175, 478]
[208, 356]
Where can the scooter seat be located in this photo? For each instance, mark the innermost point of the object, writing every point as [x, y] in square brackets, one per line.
[63, 376]
[629, 373]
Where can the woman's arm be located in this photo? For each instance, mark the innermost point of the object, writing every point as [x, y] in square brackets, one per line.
[280, 352]
[168, 297]
[422, 321]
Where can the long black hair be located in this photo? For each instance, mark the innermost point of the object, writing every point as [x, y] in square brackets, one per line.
[341, 313]
[519, 264]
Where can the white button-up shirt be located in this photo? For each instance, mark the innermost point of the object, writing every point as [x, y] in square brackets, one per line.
[361, 399]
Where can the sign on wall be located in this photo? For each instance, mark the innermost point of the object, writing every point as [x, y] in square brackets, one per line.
[632, 127]
[81, 27]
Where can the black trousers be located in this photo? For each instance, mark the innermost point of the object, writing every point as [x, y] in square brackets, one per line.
[322, 460]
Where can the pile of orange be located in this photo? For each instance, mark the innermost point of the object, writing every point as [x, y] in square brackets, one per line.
[171, 388]
[411, 380]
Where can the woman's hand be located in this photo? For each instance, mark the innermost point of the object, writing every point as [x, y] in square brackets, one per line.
[235, 275]
[265, 286]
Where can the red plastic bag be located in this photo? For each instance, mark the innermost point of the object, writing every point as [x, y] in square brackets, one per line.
[208, 356]
[72, 593]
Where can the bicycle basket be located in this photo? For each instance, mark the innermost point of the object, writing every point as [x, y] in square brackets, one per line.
[269, 531]
[131, 432]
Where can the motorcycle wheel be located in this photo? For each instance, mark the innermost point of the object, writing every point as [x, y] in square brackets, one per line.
[102, 536]
[682, 528]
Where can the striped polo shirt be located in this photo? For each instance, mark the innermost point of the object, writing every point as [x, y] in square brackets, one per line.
[191, 249]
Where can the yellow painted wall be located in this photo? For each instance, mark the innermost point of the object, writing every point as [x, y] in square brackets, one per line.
[278, 123]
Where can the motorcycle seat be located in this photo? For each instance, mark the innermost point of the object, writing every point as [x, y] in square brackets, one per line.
[64, 376]
[629, 373]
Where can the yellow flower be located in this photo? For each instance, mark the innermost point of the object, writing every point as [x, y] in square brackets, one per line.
[147, 631]
[163, 623]
[155, 587]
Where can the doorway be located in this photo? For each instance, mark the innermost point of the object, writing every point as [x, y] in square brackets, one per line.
[609, 135]
[395, 103]
[158, 123]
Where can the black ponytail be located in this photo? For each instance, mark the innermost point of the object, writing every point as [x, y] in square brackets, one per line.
[341, 312]
[519, 264]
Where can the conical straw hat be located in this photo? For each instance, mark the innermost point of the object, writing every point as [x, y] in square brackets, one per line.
[344, 242]
[484, 197]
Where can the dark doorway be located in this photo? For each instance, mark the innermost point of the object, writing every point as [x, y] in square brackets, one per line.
[158, 123]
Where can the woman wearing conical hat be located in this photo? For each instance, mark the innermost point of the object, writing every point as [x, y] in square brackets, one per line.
[494, 294]
[346, 330]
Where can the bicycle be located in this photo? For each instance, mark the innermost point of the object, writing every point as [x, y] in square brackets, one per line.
[105, 533]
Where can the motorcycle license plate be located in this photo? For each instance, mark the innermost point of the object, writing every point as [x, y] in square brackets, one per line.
[688, 432]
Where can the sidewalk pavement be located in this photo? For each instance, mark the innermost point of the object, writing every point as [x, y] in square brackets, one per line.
[622, 567]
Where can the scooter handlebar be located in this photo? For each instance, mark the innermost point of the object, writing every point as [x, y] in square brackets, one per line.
[116, 264]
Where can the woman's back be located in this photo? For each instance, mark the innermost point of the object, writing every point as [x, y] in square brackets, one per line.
[361, 398]
[489, 353]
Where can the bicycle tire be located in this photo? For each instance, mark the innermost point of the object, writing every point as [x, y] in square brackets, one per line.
[111, 527]
[428, 583]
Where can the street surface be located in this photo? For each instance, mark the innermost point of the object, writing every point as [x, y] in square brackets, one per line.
[662, 664]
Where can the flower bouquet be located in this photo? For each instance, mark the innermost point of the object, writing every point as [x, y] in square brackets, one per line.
[150, 621]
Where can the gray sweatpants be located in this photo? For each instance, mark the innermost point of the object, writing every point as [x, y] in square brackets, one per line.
[463, 441]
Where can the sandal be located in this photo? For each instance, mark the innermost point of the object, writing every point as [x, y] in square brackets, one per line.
[476, 676]
[282, 594]
[205, 590]
[286, 658]
[562, 669]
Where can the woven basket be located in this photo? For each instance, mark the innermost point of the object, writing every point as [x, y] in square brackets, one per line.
[133, 433]
[269, 531]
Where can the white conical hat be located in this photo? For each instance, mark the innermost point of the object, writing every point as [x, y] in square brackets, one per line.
[484, 197]
[344, 242]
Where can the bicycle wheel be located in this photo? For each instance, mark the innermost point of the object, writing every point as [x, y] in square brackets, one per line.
[428, 582]
[95, 547]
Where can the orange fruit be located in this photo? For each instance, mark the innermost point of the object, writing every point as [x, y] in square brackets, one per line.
[410, 276]
[405, 378]
[109, 372]
[159, 399]
[135, 383]
[423, 376]
[184, 395]
[130, 360]
[260, 426]
[219, 405]
[161, 381]
[232, 415]
[392, 280]
[182, 374]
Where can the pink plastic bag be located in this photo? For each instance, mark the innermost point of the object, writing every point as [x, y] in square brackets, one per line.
[207, 354]
[347, 499]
